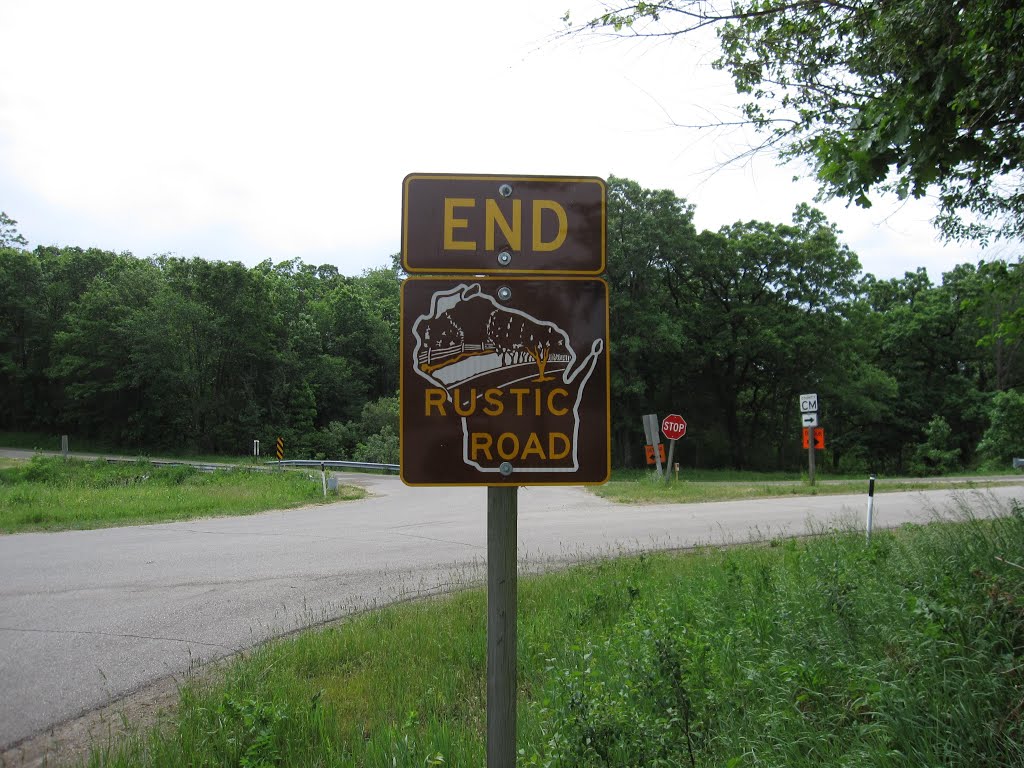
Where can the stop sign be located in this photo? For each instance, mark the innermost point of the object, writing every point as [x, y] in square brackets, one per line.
[673, 426]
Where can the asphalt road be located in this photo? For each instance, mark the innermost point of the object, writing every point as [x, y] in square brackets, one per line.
[88, 616]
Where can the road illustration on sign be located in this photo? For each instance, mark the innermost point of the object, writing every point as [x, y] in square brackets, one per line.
[512, 378]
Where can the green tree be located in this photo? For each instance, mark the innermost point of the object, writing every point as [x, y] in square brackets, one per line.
[382, 287]
[924, 338]
[92, 354]
[647, 229]
[188, 353]
[356, 321]
[376, 431]
[764, 305]
[174, 357]
[859, 395]
[23, 339]
[68, 272]
[994, 296]
[909, 96]
[376, 416]
[1004, 438]
[9, 235]
[380, 448]
[200, 351]
[726, 327]
[938, 454]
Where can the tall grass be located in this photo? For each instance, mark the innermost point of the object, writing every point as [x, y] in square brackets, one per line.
[56, 493]
[909, 652]
[824, 653]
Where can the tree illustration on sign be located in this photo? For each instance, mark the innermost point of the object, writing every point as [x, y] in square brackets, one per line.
[468, 333]
[440, 334]
[516, 336]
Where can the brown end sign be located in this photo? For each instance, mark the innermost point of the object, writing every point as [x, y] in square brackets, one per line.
[454, 224]
[505, 381]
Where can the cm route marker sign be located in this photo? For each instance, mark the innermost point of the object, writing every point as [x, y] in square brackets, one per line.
[505, 381]
[808, 403]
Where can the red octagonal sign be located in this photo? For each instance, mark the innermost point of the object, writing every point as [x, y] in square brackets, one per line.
[673, 426]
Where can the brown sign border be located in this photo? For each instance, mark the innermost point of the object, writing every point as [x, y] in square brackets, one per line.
[494, 268]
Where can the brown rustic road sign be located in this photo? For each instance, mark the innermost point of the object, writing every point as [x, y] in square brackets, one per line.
[505, 381]
[455, 224]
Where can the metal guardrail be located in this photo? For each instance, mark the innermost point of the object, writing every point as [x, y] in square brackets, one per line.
[201, 466]
[337, 464]
[267, 464]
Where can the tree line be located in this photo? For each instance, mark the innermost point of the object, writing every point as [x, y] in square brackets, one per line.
[196, 355]
[726, 327]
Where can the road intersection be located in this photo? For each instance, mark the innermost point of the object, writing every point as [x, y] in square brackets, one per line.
[87, 617]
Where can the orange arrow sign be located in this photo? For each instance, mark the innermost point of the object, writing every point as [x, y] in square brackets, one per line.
[649, 449]
[819, 438]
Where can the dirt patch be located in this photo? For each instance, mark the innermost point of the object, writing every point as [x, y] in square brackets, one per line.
[69, 742]
[135, 713]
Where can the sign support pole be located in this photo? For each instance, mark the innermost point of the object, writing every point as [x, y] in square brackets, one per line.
[810, 455]
[668, 463]
[653, 437]
[502, 509]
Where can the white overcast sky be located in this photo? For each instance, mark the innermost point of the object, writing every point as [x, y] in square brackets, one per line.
[254, 130]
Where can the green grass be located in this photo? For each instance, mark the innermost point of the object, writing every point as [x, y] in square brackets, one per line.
[38, 441]
[709, 475]
[813, 653]
[52, 493]
[644, 487]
